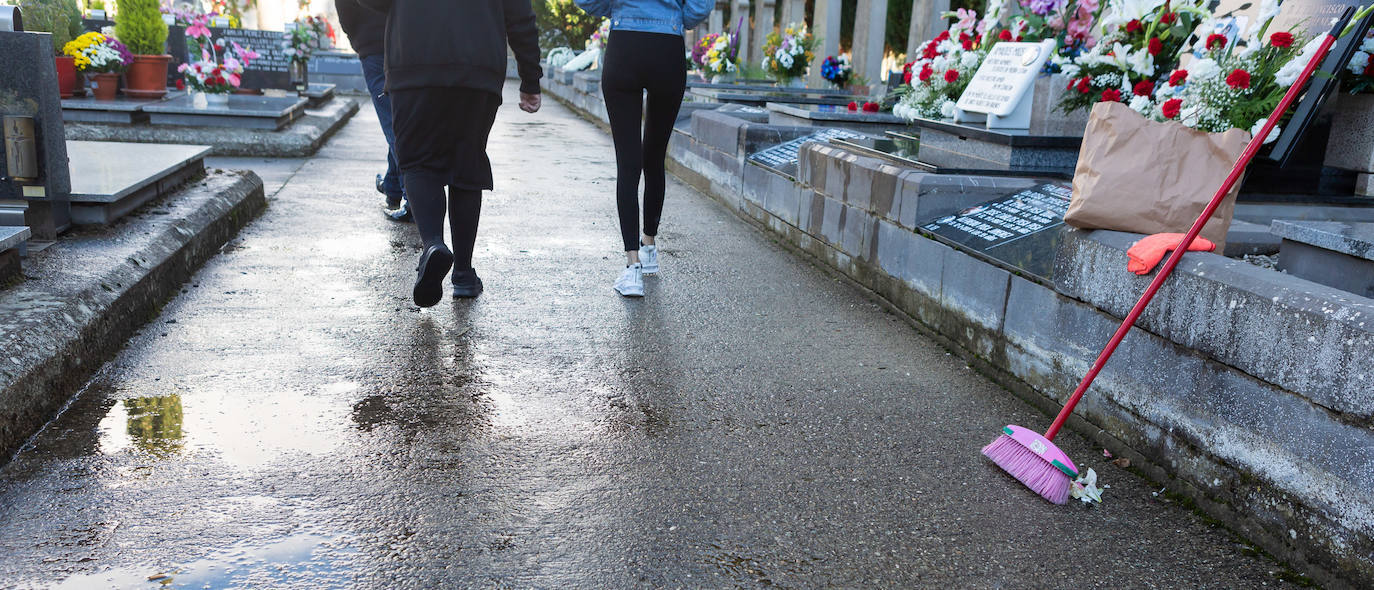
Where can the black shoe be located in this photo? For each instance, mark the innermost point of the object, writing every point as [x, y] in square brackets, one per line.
[429, 275]
[466, 284]
[380, 189]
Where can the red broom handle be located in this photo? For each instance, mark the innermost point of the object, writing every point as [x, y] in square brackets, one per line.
[1177, 255]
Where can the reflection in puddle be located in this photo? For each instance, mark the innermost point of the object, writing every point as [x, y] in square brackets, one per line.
[320, 560]
[152, 425]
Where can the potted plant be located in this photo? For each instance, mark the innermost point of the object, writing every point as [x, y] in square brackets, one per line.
[217, 74]
[141, 28]
[787, 55]
[103, 59]
[62, 19]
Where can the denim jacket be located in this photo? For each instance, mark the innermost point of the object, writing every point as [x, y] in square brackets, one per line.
[651, 16]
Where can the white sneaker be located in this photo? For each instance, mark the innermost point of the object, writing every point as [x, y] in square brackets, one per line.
[648, 258]
[631, 282]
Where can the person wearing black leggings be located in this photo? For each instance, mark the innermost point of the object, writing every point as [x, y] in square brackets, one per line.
[445, 70]
[645, 54]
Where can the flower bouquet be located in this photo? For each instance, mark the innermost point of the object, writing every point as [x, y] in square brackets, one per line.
[103, 57]
[933, 83]
[217, 73]
[1359, 74]
[837, 70]
[788, 54]
[717, 55]
[1141, 43]
[1070, 23]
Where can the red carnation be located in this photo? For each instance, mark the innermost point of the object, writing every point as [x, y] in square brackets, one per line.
[926, 73]
[1005, 35]
[1215, 41]
[1133, 26]
[951, 76]
[1143, 88]
[1171, 108]
[1168, 18]
[1178, 77]
[967, 44]
[1072, 83]
[1281, 39]
[853, 106]
[1239, 79]
[930, 52]
[906, 77]
[870, 107]
[1111, 95]
[942, 36]
[1155, 46]
[1085, 85]
[181, 84]
[964, 37]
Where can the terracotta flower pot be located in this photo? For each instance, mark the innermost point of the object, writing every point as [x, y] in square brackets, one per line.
[147, 77]
[104, 86]
[66, 75]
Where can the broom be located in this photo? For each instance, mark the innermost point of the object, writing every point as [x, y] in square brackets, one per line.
[1031, 457]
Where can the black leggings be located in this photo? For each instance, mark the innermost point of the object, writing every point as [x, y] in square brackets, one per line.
[637, 62]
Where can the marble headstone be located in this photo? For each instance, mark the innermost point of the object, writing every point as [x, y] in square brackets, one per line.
[28, 87]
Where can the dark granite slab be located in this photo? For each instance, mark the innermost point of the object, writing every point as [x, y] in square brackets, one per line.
[1347, 237]
[110, 179]
[1020, 232]
[120, 110]
[243, 111]
[761, 86]
[317, 94]
[1010, 137]
[783, 158]
[763, 98]
[12, 237]
[832, 115]
[903, 149]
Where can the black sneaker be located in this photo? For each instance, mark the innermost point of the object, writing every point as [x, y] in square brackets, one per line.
[466, 284]
[429, 275]
[380, 188]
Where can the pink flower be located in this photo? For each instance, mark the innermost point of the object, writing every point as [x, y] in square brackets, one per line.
[197, 29]
[967, 18]
[234, 80]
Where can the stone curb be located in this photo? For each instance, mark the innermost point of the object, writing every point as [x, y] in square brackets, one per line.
[89, 293]
[301, 139]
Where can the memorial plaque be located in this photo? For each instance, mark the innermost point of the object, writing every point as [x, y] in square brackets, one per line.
[1021, 231]
[1001, 83]
[272, 68]
[1312, 17]
[783, 157]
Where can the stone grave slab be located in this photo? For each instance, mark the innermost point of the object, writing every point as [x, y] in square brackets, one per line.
[317, 93]
[340, 68]
[828, 115]
[754, 85]
[762, 97]
[1338, 254]
[120, 110]
[110, 179]
[903, 148]
[783, 158]
[243, 111]
[12, 242]
[1020, 232]
[953, 145]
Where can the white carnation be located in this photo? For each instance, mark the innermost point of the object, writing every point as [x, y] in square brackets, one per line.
[1358, 63]
[1273, 133]
[947, 109]
[1143, 63]
[1203, 69]
[969, 59]
[1141, 104]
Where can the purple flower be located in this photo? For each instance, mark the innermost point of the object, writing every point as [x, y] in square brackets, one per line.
[1043, 7]
[125, 57]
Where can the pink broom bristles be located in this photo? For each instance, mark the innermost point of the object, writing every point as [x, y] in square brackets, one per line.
[1030, 468]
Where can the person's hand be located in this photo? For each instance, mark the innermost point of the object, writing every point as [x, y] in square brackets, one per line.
[529, 102]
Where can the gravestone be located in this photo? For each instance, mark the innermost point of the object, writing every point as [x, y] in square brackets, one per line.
[272, 68]
[716, 22]
[826, 27]
[28, 88]
[1001, 89]
[1337, 254]
[870, 30]
[794, 11]
[1020, 231]
[1314, 17]
[926, 23]
[783, 158]
[763, 25]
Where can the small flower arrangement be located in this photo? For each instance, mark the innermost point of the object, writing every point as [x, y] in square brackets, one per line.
[219, 68]
[1359, 74]
[600, 36]
[944, 66]
[99, 53]
[837, 70]
[303, 39]
[788, 54]
[717, 54]
[1137, 50]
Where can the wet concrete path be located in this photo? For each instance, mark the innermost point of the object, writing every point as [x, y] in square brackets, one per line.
[292, 421]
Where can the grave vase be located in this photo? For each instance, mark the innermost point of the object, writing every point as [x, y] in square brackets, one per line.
[217, 100]
[104, 85]
[300, 75]
[728, 78]
[1351, 145]
[791, 82]
[147, 77]
[66, 75]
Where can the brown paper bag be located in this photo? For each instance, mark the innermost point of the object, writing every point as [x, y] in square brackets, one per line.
[1148, 177]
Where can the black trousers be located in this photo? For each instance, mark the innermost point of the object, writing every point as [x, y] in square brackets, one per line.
[637, 63]
[441, 141]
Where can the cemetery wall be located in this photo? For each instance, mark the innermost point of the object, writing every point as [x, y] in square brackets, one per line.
[1224, 394]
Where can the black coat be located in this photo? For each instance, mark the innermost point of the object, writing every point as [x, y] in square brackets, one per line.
[365, 27]
[459, 43]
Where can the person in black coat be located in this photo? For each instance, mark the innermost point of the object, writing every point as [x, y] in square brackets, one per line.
[366, 30]
[445, 68]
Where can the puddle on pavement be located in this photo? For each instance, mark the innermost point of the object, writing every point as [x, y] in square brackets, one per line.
[245, 430]
[323, 561]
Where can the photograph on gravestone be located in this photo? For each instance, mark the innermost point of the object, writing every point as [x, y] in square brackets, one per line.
[272, 67]
[1022, 230]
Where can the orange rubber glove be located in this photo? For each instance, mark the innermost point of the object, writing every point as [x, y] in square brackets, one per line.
[1147, 253]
